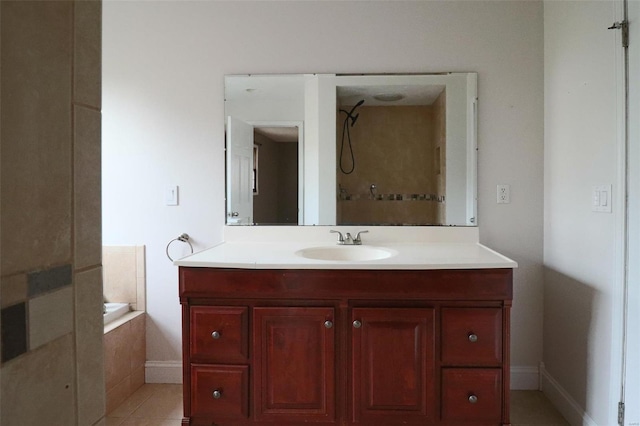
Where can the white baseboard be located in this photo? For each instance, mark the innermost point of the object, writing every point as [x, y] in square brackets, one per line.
[163, 372]
[522, 378]
[560, 398]
[525, 378]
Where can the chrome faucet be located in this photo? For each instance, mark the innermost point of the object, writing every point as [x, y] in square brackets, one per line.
[347, 239]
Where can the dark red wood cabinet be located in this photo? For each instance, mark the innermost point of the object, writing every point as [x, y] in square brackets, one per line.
[345, 347]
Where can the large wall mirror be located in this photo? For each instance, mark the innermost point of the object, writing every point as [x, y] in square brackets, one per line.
[327, 149]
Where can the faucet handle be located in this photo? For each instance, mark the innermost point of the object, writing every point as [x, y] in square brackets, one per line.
[340, 236]
[357, 239]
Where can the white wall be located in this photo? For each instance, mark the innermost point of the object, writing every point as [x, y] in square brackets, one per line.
[581, 247]
[163, 69]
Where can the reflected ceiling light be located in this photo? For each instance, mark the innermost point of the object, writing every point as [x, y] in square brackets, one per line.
[388, 97]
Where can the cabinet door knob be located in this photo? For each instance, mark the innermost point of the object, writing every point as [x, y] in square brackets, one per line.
[357, 324]
[473, 337]
[328, 324]
[215, 334]
[473, 399]
[217, 394]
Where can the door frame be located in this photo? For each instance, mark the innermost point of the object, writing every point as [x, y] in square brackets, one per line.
[626, 330]
[630, 359]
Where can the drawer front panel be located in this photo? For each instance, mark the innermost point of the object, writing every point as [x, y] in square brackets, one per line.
[220, 391]
[219, 334]
[471, 336]
[471, 394]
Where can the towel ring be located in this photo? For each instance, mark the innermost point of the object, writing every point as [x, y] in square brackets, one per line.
[184, 238]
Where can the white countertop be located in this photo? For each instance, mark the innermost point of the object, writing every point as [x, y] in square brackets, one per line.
[418, 250]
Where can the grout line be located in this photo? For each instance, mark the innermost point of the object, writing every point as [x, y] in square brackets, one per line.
[129, 416]
[157, 389]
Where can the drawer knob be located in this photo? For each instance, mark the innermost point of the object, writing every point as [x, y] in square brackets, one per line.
[473, 399]
[215, 334]
[217, 394]
[357, 324]
[473, 337]
[328, 324]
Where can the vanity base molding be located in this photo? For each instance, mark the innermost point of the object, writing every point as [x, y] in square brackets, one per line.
[345, 347]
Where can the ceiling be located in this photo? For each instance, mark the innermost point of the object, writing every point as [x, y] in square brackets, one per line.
[278, 134]
[283, 87]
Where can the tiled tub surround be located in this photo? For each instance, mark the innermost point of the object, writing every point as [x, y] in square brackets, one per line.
[124, 357]
[124, 275]
[125, 336]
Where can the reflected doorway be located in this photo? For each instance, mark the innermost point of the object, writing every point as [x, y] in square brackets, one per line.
[275, 197]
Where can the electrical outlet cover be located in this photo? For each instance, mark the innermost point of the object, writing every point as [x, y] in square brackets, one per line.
[503, 194]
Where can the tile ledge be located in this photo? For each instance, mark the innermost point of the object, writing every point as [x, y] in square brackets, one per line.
[122, 320]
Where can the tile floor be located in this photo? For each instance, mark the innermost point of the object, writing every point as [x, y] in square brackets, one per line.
[161, 405]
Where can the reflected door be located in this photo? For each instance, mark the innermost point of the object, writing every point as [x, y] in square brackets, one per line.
[239, 172]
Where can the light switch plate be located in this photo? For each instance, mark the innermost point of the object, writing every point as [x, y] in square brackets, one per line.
[601, 197]
[171, 195]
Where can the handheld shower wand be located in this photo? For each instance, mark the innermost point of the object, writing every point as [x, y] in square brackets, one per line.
[345, 129]
[350, 115]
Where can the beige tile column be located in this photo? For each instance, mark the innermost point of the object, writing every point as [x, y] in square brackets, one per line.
[50, 227]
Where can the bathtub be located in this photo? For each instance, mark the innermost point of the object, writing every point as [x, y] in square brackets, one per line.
[124, 355]
[114, 311]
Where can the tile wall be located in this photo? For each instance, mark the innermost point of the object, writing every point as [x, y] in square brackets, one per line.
[124, 355]
[394, 149]
[51, 368]
[124, 277]
[124, 339]
[440, 151]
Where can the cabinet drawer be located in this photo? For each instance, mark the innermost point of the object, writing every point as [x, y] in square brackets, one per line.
[471, 395]
[471, 336]
[219, 334]
[220, 390]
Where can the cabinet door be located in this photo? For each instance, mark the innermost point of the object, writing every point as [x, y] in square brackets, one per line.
[294, 362]
[393, 365]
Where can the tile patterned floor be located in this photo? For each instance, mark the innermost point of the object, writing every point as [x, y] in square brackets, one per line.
[532, 408]
[161, 405]
[151, 405]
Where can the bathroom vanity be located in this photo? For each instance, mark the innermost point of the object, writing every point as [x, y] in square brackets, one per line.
[420, 337]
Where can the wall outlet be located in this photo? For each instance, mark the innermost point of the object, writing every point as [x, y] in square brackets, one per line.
[504, 194]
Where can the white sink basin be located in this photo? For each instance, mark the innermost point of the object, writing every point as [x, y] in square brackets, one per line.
[346, 253]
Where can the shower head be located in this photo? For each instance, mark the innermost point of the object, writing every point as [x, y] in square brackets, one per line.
[350, 115]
